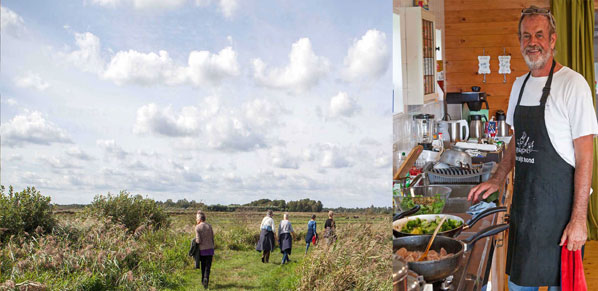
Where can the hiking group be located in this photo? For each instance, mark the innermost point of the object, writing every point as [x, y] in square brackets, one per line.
[202, 246]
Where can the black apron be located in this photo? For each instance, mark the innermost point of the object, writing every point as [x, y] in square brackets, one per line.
[542, 198]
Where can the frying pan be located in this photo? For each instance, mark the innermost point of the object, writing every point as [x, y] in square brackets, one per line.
[400, 220]
[434, 271]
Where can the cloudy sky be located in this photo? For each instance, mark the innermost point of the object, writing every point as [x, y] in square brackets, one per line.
[221, 101]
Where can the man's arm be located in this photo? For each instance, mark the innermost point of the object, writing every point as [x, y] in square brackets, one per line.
[576, 231]
[493, 184]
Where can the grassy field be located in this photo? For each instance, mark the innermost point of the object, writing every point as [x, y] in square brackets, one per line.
[95, 255]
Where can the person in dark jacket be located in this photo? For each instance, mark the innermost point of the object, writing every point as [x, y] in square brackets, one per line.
[285, 238]
[267, 237]
[204, 238]
[311, 232]
[330, 229]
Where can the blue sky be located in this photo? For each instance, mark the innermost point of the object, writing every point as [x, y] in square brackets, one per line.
[220, 101]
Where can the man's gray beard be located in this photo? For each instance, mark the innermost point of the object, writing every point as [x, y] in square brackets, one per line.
[539, 63]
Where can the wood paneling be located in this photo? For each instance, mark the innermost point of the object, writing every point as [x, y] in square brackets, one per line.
[472, 26]
[491, 6]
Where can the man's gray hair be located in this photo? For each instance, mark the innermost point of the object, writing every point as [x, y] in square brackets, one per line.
[286, 215]
[534, 10]
[269, 212]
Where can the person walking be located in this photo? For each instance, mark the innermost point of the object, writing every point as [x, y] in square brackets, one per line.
[311, 232]
[267, 237]
[285, 238]
[552, 115]
[330, 229]
[204, 238]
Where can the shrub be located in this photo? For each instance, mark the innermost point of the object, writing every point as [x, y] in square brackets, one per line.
[131, 211]
[24, 212]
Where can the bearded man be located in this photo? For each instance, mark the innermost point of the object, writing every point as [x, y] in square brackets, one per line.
[554, 123]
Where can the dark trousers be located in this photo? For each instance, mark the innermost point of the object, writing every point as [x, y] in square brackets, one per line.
[266, 256]
[206, 265]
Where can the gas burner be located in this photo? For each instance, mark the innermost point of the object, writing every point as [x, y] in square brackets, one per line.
[444, 285]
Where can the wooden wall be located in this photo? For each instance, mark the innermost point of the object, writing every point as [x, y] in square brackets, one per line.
[474, 25]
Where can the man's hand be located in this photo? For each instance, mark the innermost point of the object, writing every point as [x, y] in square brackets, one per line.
[485, 189]
[576, 234]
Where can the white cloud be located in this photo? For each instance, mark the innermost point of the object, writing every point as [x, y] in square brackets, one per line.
[141, 4]
[32, 127]
[76, 152]
[204, 68]
[58, 163]
[112, 149]
[282, 159]
[329, 156]
[343, 105]
[11, 22]
[132, 67]
[163, 121]
[221, 127]
[229, 7]
[31, 80]
[368, 58]
[87, 58]
[305, 69]
[207, 68]
[382, 160]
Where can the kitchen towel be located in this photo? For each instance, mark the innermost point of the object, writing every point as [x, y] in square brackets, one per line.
[572, 275]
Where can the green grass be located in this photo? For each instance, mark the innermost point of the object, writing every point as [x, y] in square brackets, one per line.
[161, 259]
[244, 270]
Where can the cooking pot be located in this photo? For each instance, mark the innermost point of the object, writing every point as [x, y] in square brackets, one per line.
[456, 158]
[400, 220]
[457, 130]
[434, 271]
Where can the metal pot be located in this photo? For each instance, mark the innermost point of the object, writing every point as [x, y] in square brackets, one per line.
[434, 271]
[400, 220]
[456, 158]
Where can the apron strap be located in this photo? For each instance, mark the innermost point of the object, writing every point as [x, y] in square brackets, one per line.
[523, 87]
[546, 90]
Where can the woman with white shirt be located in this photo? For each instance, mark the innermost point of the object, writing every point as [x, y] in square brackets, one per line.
[285, 238]
[267, 237]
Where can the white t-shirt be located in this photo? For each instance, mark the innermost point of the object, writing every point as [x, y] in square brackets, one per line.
[569, 111]
[267, 223]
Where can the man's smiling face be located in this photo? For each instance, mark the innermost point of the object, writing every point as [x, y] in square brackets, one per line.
[536, 41]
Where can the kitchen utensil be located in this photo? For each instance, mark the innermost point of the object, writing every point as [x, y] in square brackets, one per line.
[421, 196]
[448, 175]
[434, 271]
[424, 256]
[455, 158]
[408, 162]
[457, 129]
[413, 210]
[476, 126]
[401, 220]
[502, 127]
[423, 128]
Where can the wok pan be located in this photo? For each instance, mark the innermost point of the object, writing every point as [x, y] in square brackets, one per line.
[400, 220]
[434, 271]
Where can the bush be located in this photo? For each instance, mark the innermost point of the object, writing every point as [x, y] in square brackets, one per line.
[24, 212]
[132, 211]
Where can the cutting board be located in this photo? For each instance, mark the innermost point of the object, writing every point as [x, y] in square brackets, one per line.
[409, 161]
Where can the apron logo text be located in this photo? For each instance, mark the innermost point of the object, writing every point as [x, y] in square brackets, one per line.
[524, 160]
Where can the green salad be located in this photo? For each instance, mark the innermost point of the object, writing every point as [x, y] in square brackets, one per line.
[429, 205]
[423, 226]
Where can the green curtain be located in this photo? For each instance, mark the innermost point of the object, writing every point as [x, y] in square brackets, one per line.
[575, 49]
